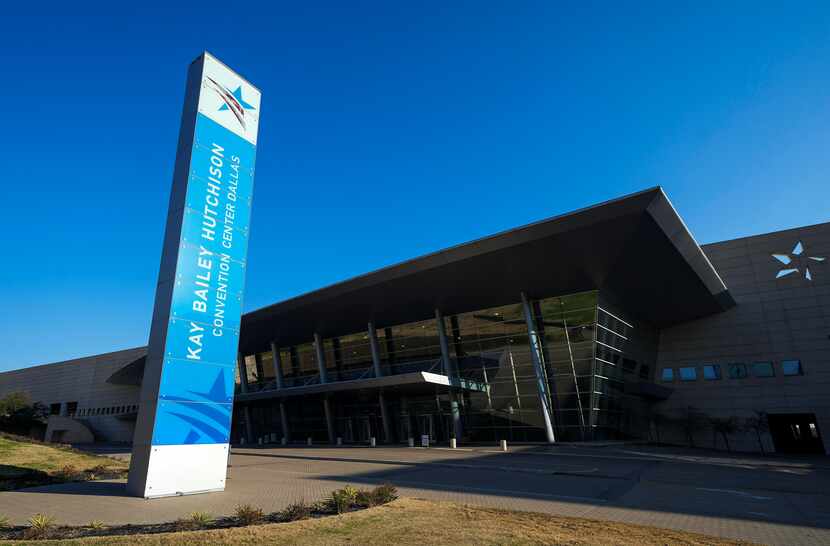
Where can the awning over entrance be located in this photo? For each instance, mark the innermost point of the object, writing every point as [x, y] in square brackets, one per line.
[414, 383]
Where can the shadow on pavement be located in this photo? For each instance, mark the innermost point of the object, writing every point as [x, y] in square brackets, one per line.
[90, 488]
[740, 487]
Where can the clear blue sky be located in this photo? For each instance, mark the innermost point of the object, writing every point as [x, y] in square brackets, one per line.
[389, 130]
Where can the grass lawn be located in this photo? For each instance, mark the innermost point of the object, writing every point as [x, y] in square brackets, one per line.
[420, 522]
[25, 464]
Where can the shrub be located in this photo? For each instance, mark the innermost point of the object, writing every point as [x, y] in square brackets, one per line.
[40, 525]
[4, 522]
[365, 499]
[248, 515]
[201, 519]
[342, 500]
[384, 493]
[196, 520]
[96, 524]
[69, 473]
[296, 511]
[99, 470]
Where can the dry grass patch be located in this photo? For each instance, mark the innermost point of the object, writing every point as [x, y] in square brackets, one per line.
[26, 464]
[418, 522]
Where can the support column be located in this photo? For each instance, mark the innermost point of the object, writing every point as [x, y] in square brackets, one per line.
[249, 429]
[284, 420]
[450, 372]
[442, 339]
[456, 416]
[407, 417]
[243, 386]
[243, 373]
[373, 344]
[277, 359]
[541, 379]
[64, 411]
[384, 417]
[321, 358]
[329, 419]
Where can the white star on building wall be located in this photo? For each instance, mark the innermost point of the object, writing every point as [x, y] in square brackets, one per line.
[795, 256]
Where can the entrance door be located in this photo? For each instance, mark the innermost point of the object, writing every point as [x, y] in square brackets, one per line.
[365, 428]
[795, 433]
[426, 425]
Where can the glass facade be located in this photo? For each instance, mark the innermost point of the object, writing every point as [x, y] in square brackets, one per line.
[585, 355]
[711, 371]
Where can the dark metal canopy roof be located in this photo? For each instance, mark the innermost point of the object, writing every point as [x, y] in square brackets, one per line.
[636, 249]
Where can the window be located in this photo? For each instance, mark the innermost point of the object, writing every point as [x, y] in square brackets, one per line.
[737, 370]
[629, 365]
[711, 371]
[688, 373]
[55, 409]
[791, 367]
[668, 374]
[763, 369]
[645, 370]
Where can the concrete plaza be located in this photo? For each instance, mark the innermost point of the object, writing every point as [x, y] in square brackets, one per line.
[771, 500]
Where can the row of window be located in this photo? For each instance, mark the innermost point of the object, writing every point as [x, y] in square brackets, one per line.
[113, 410]
[735, 370]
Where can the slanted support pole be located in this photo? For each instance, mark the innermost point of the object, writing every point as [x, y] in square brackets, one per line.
[442, 339]
[373, 344]
[277, 360]
[449, 371]
[538, 367]
[321, 358]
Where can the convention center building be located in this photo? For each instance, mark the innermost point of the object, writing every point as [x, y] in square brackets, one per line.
[606, 323]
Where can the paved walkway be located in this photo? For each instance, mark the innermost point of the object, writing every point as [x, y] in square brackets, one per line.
[766, 500]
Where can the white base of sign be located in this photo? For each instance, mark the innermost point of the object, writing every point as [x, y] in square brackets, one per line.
[186, 470]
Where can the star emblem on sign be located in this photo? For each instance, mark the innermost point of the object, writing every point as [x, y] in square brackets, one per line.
[231, 100]
[797, 262]
[237, 94]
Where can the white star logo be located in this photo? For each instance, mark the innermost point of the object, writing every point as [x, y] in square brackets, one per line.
[795, 258]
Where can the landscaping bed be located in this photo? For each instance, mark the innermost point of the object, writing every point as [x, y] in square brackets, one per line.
[414, 522]
[341, 501]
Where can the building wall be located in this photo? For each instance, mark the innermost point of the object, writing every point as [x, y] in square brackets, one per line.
[103, 407]
[775, 319]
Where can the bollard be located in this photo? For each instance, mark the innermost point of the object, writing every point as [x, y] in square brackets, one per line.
[284, 441]
[372, 442]
[339, 440]
[412, 442]
[504, 445]
[309, 440]
[452, 443]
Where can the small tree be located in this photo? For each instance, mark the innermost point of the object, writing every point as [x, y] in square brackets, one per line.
[18, 414]
[691, 421]
[758, 424]
[724, 426]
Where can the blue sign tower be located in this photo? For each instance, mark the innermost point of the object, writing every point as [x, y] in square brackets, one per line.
[181, 441]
